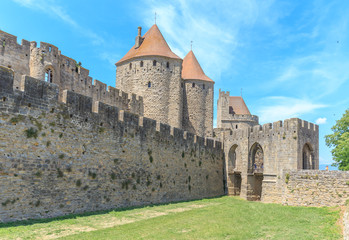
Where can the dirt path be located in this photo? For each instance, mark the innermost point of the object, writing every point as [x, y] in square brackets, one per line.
[97, 222]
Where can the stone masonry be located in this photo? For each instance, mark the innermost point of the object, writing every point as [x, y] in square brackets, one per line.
[47, 63]
[158, 80]
[81, 155]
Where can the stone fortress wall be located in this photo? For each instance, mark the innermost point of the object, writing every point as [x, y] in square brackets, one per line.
[78, 155]
[198, 107]
[158, 80]
[314, 188]
[27, 59]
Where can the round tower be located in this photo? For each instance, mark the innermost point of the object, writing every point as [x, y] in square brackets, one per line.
[197, 98]
[150, 69]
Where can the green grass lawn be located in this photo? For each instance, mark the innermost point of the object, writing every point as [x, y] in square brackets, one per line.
[219, 218]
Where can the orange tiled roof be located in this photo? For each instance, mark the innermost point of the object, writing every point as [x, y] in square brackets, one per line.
[239, 106]
[153, 44]
[191, 68]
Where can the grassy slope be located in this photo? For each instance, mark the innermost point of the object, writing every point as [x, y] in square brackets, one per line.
[220, 218]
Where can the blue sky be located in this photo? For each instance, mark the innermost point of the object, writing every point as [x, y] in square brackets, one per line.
[291, 58]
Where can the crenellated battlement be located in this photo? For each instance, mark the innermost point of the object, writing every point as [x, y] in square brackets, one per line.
[41, 95]
[9, 40]
[289, 127]
[40, 61]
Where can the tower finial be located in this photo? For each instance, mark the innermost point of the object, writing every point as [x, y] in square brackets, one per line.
[155, 17]
[191, 45]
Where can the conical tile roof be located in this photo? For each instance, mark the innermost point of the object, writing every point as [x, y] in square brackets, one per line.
[153, 44]
[191, 69]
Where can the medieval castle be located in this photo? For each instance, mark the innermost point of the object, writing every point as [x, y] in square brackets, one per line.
[69, 145]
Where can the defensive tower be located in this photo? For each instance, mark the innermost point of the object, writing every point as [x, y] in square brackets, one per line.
[150, 69]
[232, 112]
[197, 98]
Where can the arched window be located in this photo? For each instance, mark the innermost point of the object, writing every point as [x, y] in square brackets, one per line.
[193, 85]
[256, 159]
[154, 63]
[168, 65]
[49, 75]
[141, 64]
[130, 66]
[149, 84]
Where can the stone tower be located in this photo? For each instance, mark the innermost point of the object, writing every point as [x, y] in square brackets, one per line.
[232, 112]
[150, 69]
[197, 98]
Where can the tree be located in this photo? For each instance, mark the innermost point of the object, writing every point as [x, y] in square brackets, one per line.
[339, 141]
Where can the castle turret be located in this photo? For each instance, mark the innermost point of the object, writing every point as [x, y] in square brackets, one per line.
[233, 113]
[150, 69]
[197, 99]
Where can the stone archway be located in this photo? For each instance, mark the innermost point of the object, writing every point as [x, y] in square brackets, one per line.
[234, 176]
[255, 172]
[308, 157]
[256, 159]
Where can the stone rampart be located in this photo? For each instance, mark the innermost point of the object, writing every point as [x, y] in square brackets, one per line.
[315, 187]
[67, 73]
[81, 155]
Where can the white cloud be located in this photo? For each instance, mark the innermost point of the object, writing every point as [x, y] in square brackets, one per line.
[213, 27]
[278, 108]
[52, 8]
[321, 121]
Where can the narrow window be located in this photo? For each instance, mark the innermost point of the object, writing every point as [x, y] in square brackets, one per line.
[141, 63]
[168, 65]
[154, 63]
[49, 49]
[236, 126]
[48, 75]
[182, 85]
[193, 85]
[203, 86]
[130, 66]
[149, 84]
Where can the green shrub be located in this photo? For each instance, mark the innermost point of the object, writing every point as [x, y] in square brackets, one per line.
[61, 156]
[78, 183]
[59, 173]
[31, 133]
[287, 178]
[92, 174]
[17, 119]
